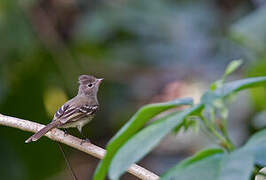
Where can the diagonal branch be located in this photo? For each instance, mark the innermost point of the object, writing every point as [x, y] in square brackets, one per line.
[58, 135]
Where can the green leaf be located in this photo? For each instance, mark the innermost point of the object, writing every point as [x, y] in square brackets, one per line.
[216, 84]
[232, 67]
[257, 139]
[257, 146]
[131, 127]
[250, 30]
[238, 85]
[212, 164]
[145, 140]
[232, 87]
[213, 86]
[204, 165]
[237, 165]
[229, 69]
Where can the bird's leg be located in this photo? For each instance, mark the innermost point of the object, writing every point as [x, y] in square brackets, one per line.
[85, 141]
[84, 138]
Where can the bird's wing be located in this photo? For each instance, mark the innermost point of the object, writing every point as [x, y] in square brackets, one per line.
[62, 111]
[83, 111]
[88, 109]
[67, 113]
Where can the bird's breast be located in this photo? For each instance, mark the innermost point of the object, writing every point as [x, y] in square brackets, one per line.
[81, 122]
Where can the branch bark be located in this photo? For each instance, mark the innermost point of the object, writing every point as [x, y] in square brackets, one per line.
[58, 135]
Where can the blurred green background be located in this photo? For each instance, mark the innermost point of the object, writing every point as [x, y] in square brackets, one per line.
[147, 51]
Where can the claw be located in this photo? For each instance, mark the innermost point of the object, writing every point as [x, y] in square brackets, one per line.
[85, 141]
[65, 132]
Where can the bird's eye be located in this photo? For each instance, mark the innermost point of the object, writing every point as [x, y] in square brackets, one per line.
[90, 85]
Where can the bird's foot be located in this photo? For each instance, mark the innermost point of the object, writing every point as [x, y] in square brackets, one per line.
[65, 132]
[85, 141]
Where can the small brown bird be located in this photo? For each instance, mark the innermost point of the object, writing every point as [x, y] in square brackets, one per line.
[76, 112]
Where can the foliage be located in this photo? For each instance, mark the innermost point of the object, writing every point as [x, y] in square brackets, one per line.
[134, 141]
[135, 123]
[250, 30]
[133, 44]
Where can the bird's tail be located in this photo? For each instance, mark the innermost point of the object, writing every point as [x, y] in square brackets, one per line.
[43, 131]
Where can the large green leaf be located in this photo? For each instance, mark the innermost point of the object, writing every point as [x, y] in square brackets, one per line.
[131, 127]
[204, 165]
[238, 85]
[257, 146]
[229, 88]
[213, 165]
[145, 140]
[237, 165]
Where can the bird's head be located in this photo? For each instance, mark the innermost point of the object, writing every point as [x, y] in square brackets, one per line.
[89, 85]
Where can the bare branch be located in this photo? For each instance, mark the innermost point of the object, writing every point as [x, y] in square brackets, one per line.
[58, 135]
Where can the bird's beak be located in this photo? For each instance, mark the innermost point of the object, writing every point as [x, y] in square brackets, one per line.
[99, 80]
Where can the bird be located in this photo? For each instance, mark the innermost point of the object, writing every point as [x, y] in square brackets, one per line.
[76, 112]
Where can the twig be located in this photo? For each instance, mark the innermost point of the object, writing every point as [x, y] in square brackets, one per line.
[58, 135]
[261, 174]
[67, 161]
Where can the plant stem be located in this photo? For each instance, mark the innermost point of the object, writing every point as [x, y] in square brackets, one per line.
[225, 134]
[223, 141]
[223, 128]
